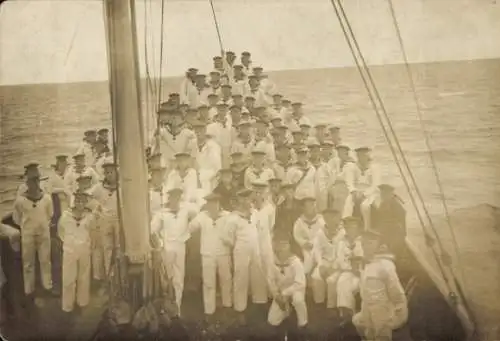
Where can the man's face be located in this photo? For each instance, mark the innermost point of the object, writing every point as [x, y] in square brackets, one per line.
[200, 82]
[277, 100]
[230, 58]
[249, 103]
[370, 246]
[192, 74]
[238, 100]
[309, 207]
[274, 187]
[244, 130]
[302, 156]
[218, 63]
[258, 160]
[201, 132]
[326, 152]
[261, 130]
[80, 202]
[332, 222]
[226, 177]
[157, 177]
[245, 60]
[62, 163]
[212, 100]
[315, 152]
[110, 174]
[305, 130]
[297, 110]
[236, 114]
[91, 138]
[259, 194]
[226, 92]
[222, 111]
[203, 112]
[283, 154]
[215, 78]
[343, 154]
[254, 83]
[84, 184]
[80, 161]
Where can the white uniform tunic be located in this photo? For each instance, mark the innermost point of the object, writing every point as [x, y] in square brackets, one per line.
[187, 87]
[157, 198]
[257, 175]
[348, 281]
[267, 145]
[55, 185]
[243, 146]
[384, 306]
[304, 179]
[366, 182]
[34, 220]
[70, 179]
[75, 235]
[289, 280]
[197, 97]
[304, 232]
[209, 162]
[188, 182]
[173, 229]
[216, 258]
[222, 134]
[184, 142]
[87, 149]
[248, 270]
[322, 181]
[261, 99]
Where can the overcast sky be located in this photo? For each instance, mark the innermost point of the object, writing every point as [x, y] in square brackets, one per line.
[63, 41]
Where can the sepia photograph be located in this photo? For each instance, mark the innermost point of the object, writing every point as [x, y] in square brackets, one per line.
[246, 170]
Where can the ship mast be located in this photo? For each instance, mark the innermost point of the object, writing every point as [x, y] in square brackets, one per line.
[128, 132]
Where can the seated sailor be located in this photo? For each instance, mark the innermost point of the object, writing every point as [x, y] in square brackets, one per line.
[287, 283]
[384, 306]
[348, 263]
[362, 181]
[324, 251]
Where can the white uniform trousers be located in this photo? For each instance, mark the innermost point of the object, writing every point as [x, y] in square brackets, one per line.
[96, 254]
[33, 243]
[324, 288]
[175, 256]
[374, 324]
[308, 261]
[277, 315]
[331, 289]
[347, 287]
[109, 239]
[365, 209]
[76, 278]
[211, 267]
[248, 272]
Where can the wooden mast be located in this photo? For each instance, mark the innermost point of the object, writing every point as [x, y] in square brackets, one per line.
[128, 132]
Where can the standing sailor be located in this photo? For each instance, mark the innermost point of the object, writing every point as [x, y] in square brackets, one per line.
[340, 167]
[199, 92]
[156, 189]
[87, 146]
[74, 231]
[226, 95]
[264, 214]
[185, 177]
[362, 181]
[219, 65]
[56, 186]
[283, 162]
[228, 64]
[303, 175]
[239, 165]
[215, 83]
[220, 131]
[208, 158]
[103, 136]
[277, 106]
[384, 306]
[258, 169]
[248, 270]
[264, 141]
[320, 132]
[244, 142]
[239, 80]
[78, 169]
[254, 90]
[215, 253]
[265, 84]
[226, 189]
[171, 225]
[246, 62]
[188, 85]
[176, 139]
[33, 212]
[305, 230]
[107, 224]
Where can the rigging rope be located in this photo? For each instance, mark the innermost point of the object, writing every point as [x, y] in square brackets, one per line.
[426, 135]
[159, 94]
[217, 26]
[384, 129]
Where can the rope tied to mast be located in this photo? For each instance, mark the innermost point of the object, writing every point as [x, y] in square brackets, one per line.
[217, 26]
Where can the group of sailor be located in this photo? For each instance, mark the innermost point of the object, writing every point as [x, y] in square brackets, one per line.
[279, 206]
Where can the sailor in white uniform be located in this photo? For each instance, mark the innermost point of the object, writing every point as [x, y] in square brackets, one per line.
[157, 195]
[187, 85]
[208, 158]
[33, 212]
[244, 142]
[384, 306]
[339, 166]
[258, 169]
[264, 214]
[265, 84]
[324, 252]
[287, 283]
[246, 62]
[221, 131]
[171, 225]
[215, 253]
[215, 83]
[306, 229]
[176, 139]
[264, 140]
[248, 272]
[55, 183]
[254, 90]
[226, 94]
[283, 162]
[362, 181]
[303, 175]
[74, 231]
[228, 64]
[349, 257]
[87, 146]
[78, 169]
[297, 117]
[239, 80]
[219, 65]
[185, 177]
[198, 95]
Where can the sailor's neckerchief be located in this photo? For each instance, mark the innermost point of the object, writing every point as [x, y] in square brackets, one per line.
[286, 164]
[246, 216]
[304, 168]
[316, 163]
[308, 222]
[219, 215]
[255, 171]
[364, 169]
[282, 265]
[34, 201]
[380, 255]
[277, 199]
[78, 219]
[222, 122]
[214, 89]
[201, 146]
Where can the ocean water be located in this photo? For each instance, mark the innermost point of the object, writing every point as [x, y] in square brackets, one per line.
[460, 104]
